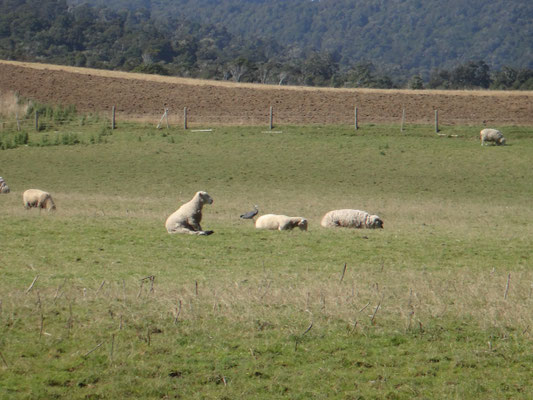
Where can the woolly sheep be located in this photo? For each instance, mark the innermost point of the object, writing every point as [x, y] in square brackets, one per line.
[38, 198]
[491, 135]
[3, 186]
[187, 218]
[351, 219]
[280, 222]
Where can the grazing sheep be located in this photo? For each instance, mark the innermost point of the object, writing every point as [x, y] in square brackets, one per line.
[351, 219]
[491, 135]
[3, 186]
[187, 218]
[280, 222]
[39, 199]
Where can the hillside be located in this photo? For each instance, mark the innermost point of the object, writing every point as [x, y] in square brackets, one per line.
[326, 43]
[215, 102]
[401, 35]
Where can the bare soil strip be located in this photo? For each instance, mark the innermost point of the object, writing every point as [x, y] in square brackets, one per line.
[214, 102]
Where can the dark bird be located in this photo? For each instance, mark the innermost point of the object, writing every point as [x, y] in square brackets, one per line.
[250, 214]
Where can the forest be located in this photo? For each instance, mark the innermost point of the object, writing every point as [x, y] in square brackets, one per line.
[337, 43]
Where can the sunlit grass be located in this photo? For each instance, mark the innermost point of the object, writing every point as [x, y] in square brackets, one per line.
[436, 305]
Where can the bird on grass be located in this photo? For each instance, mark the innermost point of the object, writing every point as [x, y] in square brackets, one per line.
[250, 214]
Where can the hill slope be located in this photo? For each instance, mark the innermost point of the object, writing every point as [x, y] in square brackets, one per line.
[410, 35]
[215, 102]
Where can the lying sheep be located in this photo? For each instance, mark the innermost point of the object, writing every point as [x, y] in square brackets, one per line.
[280, 222]
[187, 218]
[491, 135]
[351, 219]
[38, 198]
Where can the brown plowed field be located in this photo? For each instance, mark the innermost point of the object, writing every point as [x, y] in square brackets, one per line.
[145, 96]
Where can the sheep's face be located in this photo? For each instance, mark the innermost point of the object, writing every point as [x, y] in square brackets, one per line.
[501, 141]
[376, 222]
[205, 198]
[50, 206]
[303, 224]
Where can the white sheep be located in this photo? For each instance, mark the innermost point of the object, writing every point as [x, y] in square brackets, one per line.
[38, 198]
[491, 135]
[280, 222]
[187, 218]
[348, 218]
[3, 186]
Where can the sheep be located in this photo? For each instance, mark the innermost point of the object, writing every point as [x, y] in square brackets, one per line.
[38, 198]
[3, 186]
[187, 218]
[491, 135]
[280, 222]
[351, 219]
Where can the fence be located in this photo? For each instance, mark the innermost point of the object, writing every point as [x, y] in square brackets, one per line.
[185, 119]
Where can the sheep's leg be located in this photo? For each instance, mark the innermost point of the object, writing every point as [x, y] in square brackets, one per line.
[183, 229]
[190, 232]
[196, 226]
[191, 225]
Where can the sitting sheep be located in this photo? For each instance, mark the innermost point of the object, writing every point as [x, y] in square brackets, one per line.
[3, 186]
[491, 135]
[187, 218]
[38, 198]
[280, 222]
[351, 219]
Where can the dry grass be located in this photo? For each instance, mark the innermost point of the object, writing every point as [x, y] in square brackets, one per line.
[10, 105]
[407, 299]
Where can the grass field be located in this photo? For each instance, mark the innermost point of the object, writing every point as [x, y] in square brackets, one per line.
[435, 305]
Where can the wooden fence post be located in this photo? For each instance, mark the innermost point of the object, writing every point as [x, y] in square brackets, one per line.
[403, 119]
[165, 115]
[271, 117]
[185, 118]
[36, 120]
[356, 124]
[436, 121]
[113, 120]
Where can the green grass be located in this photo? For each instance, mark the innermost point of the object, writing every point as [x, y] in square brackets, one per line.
[423, 310]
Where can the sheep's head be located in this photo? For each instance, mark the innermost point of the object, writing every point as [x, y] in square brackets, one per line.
[50, 205]
[302, 224]
[375, 222]
[205, 198]
[501, 141]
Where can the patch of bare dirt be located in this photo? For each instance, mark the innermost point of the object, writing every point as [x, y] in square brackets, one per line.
[145, 96]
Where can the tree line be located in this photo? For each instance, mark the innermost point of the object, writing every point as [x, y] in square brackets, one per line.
[135, 40]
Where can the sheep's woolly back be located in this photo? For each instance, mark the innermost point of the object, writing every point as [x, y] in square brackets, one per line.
[280, 222]
[38, 198]
[491, 135]
[187, 218]
[349, 218]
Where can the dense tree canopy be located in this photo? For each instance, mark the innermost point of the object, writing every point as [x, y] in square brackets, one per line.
[410, 35]
[138, 36]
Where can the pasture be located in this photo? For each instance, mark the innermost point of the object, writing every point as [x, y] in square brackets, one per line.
[98, 301]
